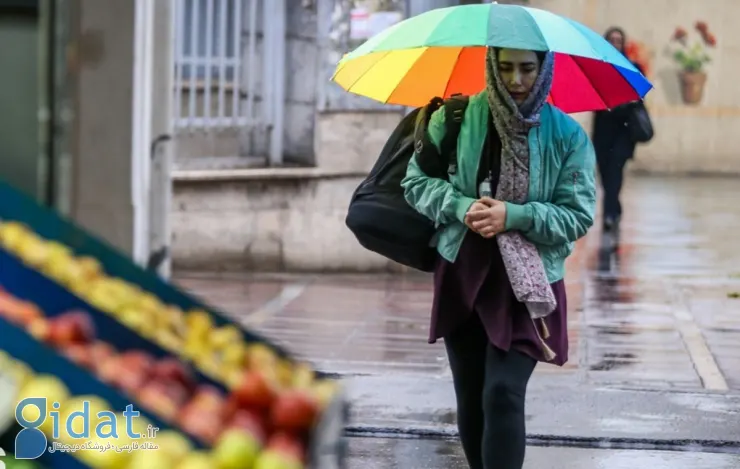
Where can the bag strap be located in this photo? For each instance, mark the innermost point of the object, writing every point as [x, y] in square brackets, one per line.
[454, 108]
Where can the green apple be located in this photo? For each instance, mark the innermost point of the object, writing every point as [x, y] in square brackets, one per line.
[235, 449]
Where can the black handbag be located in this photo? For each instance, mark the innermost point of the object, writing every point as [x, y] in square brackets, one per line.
[639, 123]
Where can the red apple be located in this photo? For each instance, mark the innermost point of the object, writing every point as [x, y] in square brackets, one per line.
[129, 376]
[202, 424]
[72, 327]
[255, 391]
[287, 444]
[250, 422]
[209, 398]
[100, 352]
[171, 369]
[80, 354]
[294, 411]
[160, 399]
[17, 311]
[137, 359]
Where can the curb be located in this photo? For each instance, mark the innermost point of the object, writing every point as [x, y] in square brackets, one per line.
[645, 444]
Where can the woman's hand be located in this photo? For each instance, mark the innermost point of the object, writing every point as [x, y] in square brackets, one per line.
[477, 206]
[487, 217]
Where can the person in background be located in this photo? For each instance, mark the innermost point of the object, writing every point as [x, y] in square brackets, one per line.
[614, 147]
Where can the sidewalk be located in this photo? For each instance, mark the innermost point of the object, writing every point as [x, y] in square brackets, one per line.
[654, 328]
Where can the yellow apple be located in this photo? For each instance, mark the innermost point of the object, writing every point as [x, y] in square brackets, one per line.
[197, 460]
[150, 459]
[12, 234]
[174, 444]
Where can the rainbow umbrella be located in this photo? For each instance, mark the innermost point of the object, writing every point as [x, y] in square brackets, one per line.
[442, 52]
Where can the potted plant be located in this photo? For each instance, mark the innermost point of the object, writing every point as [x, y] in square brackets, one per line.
[692, 57]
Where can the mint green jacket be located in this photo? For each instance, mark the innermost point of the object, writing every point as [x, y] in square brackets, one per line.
[562, 190]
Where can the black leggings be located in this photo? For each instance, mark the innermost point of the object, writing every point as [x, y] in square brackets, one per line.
[490, 386]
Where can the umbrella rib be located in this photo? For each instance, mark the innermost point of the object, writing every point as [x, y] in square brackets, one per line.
[426, 48]
[362, 75]
[457, 59]
[598, 92]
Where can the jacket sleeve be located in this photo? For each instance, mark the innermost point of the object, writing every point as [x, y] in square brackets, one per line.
[434, 198]
[570, 213]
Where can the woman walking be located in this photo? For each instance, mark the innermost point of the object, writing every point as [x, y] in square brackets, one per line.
[522, 194]
[614, 147]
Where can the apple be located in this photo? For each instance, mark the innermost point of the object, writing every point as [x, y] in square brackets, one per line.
[20, 313]
[126, 372]
[173, 444]
[221, 337]
[12, 234]
[79, 354]
[171, 369]
[261, 357]
[161, 399]
[196, 460]
[202, 424]
[287, 444]
[235, 449]
[168, 339]
[303, 376]
[135, 319]
[137, 359]
[40, 329]
[72, 327]
[255, 390]
[294, 410]
[199, 323]
[271, 459]
[250, 422]
[209, 398]
[100, 352]
[146, 459]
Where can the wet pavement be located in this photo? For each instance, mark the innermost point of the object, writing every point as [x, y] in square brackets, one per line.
[378, 453]
[654, 328]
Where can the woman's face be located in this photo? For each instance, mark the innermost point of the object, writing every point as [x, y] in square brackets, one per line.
[518, 70]
[616, 39]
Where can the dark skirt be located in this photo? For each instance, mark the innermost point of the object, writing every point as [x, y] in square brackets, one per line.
[477, 283]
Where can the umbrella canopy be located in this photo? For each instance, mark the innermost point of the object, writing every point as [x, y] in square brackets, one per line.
[442, 52]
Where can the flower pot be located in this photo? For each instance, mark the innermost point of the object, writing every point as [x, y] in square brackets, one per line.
[692, 86]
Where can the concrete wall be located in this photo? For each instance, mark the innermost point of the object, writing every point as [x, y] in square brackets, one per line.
[270, 225]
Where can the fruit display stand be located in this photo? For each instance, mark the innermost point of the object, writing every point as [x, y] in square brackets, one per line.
[80, 322]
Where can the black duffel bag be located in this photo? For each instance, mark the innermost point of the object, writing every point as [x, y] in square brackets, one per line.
[378, 215]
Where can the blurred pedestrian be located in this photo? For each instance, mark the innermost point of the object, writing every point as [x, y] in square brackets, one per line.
[499, 300]
[614, 147]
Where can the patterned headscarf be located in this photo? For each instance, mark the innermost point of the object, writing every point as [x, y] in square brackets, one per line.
[513, 123]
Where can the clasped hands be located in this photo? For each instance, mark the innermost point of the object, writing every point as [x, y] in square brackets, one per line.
[487, 217]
